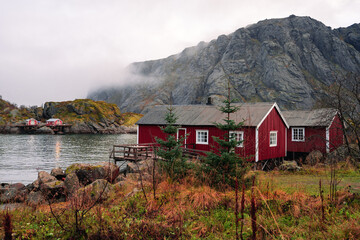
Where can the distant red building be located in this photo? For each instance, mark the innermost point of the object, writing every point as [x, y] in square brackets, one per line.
[53, 122]
[31, 122]
[319, 129]
[263, 134]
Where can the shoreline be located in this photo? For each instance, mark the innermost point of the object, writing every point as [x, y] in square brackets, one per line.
[89, 129]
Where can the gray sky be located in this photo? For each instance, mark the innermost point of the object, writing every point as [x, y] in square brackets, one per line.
[57, 50]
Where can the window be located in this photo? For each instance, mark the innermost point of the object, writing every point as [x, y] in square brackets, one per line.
[298, 134]
[202, 136]
[273, 138]
[238, 136]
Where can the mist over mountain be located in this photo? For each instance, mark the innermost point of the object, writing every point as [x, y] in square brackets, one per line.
[290, 60]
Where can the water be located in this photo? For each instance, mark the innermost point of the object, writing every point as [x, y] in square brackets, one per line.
[22, 156]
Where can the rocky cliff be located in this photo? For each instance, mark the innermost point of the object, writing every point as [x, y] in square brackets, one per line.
[85, 116]
[290, 61]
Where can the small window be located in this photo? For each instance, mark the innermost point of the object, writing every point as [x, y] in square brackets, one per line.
[202, 136]
[273, 139]
[298, 134]
[238, 136]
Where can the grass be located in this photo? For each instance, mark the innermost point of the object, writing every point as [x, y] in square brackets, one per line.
[288, 207]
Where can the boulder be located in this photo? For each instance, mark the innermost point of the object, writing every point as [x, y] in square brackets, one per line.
[14, 130]
[13, 193]
[111, 171]
[35, 198]
[43, 177]
[99, 190]
[119, 178]
[58, 173]
[71, 184]
[289, 166]
[87, 173]
[81, 127]
[314, 157]
[141, 166]
[44, 130]
[53, 190]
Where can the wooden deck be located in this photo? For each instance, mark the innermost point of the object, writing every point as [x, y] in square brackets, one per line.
[139, 152]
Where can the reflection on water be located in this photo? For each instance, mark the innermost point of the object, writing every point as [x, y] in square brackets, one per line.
[22, 156]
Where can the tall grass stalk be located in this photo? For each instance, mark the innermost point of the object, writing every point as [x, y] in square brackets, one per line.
[253, 211]
[242, 208]
[7, 226]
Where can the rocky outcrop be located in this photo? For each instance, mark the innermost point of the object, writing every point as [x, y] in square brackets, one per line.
[84, 115]
[90, 181]
[290, 61]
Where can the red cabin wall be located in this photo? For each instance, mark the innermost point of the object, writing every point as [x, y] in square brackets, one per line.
[147, 134]
[315, 139]
[336, 137]
[273, 122]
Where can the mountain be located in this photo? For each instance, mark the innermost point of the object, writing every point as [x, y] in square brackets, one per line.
[290, 60]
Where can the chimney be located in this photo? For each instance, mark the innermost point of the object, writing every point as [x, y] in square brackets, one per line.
[209, 102]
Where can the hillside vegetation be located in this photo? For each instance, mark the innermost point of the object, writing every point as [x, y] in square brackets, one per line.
[85, 115]
[286, 208]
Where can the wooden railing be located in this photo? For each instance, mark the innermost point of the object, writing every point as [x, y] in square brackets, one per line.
[137, 152]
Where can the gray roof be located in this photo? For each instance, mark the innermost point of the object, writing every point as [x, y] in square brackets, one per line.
[206, 115]
[319, 117]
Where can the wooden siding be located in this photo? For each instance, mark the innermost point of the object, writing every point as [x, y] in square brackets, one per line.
[336, 134]
[315, 139]
[147, 134]
[273, 122]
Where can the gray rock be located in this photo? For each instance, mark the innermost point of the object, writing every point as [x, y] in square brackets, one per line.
[14, 113]
[87, 173]
[43, 177]
[99, 190]
[71, 184]
[35, 198]
[111, 171]
[58, 173]
[44, 130]
[50, 109]
[287, 60]
[13, 193]
[314, 157]
[289, 166]
[53, 190]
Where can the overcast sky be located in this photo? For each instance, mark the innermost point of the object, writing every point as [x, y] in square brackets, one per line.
[57, 50]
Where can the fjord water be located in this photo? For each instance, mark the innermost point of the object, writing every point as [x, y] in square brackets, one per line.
[23, 156]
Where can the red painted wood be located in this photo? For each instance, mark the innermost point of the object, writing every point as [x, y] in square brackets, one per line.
[273, 122]
[315, 139]
[336, 134]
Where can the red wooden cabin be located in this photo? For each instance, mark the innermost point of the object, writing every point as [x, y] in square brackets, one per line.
[53, 122]
[263, 133]
[319, 129]
[31, 122]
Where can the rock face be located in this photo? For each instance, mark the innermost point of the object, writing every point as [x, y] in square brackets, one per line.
[92, 182]
[288, 60]
[85, 115]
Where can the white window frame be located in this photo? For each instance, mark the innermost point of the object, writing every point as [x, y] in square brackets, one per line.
[293, 134]
[239, 137]
[197, 137]
[177, 134]
[270, 142]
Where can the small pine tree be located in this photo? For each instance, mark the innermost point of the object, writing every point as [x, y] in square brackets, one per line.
[172, 162]
[224, 166]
